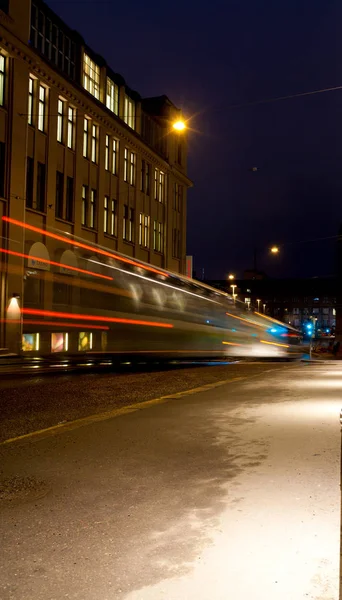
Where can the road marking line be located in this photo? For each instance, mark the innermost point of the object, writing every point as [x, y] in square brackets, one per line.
[117, 412]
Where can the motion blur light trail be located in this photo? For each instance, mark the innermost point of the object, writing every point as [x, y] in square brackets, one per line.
[63, 315]
[57, 324]
[96, 249]
[55, 264]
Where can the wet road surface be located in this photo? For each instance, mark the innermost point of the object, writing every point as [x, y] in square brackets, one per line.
[230, 492]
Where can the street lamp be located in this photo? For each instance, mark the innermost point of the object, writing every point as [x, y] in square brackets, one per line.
[264, 307]
[231, 276]
[234, 286]
[258, 301]
[179, 125]
[275, 250]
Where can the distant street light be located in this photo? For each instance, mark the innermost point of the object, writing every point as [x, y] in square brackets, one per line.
[179, 125]
[258, 301]
[275, 249]
[264, 307]
[231, 276]
[234, 286]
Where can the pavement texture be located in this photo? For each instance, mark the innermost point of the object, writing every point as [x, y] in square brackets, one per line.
[228, 493]
[31, 403]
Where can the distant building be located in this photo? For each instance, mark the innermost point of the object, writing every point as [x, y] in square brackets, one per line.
[297, 302]
[82, 153]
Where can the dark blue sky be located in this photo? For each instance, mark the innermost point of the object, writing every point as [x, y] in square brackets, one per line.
[208, 56]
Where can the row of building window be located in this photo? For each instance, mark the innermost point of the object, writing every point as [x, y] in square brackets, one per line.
[64, 203]
[55, 44]
[91, 83]
[50, 39]
[66, 119]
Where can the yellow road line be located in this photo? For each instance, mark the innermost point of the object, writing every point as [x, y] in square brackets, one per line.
[117, 412]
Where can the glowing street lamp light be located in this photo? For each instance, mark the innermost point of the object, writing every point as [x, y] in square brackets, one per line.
[233, 286]
[264, 307]
[179, 125]
[231, 276]
[258, 301]
[275, 250]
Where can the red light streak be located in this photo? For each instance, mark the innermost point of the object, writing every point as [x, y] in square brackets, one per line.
[63, 315]
[61, 238]
[55, 264]
[59, 324]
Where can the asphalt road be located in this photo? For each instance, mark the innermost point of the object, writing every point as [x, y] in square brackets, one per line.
[231, 492]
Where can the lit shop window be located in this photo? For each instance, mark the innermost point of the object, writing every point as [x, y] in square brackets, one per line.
[59, 342]
[85, 341]
[30, 342]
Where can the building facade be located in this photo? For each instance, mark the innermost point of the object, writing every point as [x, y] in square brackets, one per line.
[81, 153]
[298, 302]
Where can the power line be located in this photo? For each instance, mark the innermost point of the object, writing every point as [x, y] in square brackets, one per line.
[279, 98]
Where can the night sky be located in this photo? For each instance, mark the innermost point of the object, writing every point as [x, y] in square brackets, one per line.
[207, 57]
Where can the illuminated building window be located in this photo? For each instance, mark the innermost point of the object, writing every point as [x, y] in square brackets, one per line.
[126, 165]
[86, 137]
[2, 79]
[159, 186]
[144, 230]
[132, 168]
[125, 222]
[84, 216]
[129, 116]
[30, 101]
[71, 127]
[85, 341]
[107, 153]
[115, 154]
[156, 188]
[30, 342]
[105, 214]
[60, 120]
[94, 142]
[158, 236]
[41, 108]
[112, 96]
[129, 166]
[110, 216]
[162, 187]
[91, 76]
[59, 195]
[92, 216]
[59, 342]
